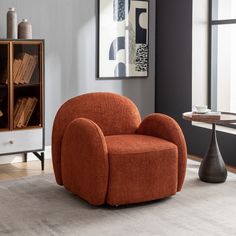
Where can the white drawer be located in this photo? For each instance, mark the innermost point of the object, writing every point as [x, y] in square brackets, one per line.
[21, 140]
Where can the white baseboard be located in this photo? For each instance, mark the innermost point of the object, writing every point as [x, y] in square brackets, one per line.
[20, 157]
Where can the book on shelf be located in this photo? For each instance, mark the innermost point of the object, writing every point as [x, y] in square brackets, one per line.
[23, 111]
[15, 68]
[19, 112]
[206, 116]
[30, 111]
[23, 64]
[24, 68]
[18, 103]
[33, 60]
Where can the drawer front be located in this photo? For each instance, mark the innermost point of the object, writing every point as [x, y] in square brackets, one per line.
[21, 141]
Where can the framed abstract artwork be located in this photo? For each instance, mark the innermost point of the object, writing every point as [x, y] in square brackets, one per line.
[123, 38]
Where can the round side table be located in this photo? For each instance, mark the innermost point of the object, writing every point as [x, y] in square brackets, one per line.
[212, 168]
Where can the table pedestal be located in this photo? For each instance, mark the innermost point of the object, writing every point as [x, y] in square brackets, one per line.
[212, 168]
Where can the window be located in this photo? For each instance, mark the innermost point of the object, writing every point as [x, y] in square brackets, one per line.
[222, 55]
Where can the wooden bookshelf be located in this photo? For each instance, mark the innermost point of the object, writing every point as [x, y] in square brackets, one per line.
[21, 91]
[5, 88]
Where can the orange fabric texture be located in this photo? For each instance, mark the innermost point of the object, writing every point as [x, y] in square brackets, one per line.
[103, 152]
[85, 174]
[141, 168]
[163, 126]
[113, 113]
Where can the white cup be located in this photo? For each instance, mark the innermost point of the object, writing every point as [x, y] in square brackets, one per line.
[200, 108]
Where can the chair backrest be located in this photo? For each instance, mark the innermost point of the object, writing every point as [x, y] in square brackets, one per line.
[113, 113]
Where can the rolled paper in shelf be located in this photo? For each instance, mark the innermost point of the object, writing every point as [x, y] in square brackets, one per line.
[1, 114]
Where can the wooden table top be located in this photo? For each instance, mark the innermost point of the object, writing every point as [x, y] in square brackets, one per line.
[225, 118]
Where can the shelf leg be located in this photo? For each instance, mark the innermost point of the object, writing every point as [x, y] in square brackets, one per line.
[42, 161]
[25, 157]
[41, 158]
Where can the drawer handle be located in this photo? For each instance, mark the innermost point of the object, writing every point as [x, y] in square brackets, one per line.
[11, 142]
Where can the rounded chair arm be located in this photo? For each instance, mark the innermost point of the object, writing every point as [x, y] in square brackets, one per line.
[84, 161]
[165, 127]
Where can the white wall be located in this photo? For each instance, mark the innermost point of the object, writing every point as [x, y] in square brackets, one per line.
[200, 52]
[69, 30]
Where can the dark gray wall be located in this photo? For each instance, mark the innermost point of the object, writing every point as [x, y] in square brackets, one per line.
[174, 75]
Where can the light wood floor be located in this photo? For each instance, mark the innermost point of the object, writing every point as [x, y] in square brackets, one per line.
[17, 170]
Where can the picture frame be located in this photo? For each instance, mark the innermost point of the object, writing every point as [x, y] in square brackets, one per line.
[123, 39]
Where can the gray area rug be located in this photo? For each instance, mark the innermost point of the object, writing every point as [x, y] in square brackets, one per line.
[37, 206]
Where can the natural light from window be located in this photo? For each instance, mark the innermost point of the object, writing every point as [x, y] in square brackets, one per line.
[226, 9]
[224, 55]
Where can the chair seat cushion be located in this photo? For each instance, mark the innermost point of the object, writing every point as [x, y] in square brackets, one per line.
[141, 168]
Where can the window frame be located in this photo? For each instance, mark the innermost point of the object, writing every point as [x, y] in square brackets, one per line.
[213, 55]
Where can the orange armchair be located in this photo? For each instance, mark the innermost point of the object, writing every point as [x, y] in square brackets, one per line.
[103, 152]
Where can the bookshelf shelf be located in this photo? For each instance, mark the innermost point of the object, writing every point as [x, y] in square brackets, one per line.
[21, 93]
[29, 127]
[26, 85]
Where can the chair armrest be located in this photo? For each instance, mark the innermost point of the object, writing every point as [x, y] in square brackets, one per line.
[165, 127]
[84, 161]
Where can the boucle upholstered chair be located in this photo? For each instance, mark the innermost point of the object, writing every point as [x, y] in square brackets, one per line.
[103, 153]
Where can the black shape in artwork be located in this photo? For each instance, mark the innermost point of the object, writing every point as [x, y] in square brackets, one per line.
[141, 33]
[116, 45]
[120, 70]
[141, 64]
[119, 9]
